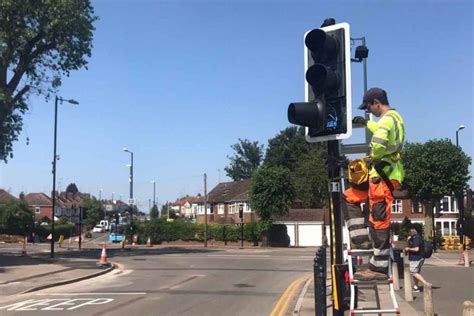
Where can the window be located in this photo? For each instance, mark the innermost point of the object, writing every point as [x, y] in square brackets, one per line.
[446, 227]
[37, 209]
[416, 207]
[448, 205]
[397, 206]
[220, 209]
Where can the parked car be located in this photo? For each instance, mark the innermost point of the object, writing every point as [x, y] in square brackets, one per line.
[98, 229]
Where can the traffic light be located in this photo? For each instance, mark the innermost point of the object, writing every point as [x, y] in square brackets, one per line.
[327, 110]
[241, 212]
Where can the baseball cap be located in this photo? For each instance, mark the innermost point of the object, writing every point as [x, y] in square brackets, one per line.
[371, 95]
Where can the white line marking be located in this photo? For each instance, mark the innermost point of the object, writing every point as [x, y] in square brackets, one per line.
[68, 294]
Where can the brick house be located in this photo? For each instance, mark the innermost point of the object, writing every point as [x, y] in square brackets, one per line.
[40, 204]
[224, 201]
[5, 197]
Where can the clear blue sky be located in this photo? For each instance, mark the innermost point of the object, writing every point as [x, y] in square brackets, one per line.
[178, 82]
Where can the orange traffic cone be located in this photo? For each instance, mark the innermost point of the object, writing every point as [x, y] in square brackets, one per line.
[103, 256]
[23, 252]
[148, 243]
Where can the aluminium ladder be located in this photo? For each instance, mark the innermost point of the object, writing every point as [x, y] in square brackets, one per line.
[355, 284]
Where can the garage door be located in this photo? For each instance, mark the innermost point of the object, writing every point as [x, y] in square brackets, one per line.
[309, 235]
[290, 228]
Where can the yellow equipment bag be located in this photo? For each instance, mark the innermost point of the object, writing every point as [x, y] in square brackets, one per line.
[359, 173]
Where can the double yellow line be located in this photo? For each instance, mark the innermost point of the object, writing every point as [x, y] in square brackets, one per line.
[282, 304]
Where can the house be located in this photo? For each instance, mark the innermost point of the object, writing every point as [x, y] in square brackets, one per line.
[224, 202]
[40, 204]
[5, 197]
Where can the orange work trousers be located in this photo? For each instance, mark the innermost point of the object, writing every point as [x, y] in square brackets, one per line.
[380, 201]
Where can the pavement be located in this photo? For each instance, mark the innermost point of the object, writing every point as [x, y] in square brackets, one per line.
[442, 269]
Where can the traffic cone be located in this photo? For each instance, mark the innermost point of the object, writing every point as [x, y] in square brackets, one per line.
[23, 252]
[103, 256]
[148, 242]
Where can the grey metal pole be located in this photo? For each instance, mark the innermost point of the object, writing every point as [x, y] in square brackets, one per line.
[205, 210]
[154, 193]
[131, 189]
[457, 138]
[54, 174]
[368, 134]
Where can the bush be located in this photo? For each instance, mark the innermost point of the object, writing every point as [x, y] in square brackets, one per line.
[278, 236]
[253, 232]
[67, 230]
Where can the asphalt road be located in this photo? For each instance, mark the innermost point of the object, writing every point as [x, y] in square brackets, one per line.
[177, 282]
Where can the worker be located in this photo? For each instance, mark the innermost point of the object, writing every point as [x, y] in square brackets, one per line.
[384, 174]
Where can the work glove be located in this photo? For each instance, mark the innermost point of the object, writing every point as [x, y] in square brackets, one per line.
[359, 120]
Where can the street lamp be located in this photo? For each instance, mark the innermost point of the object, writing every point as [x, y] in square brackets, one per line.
[154, 192]
[457, 134]
[131, 185]
[361, 54]
[55, 157]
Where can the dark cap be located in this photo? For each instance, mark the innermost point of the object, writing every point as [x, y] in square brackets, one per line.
[371, 95]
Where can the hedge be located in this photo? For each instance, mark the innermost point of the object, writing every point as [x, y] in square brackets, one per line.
[160, 230]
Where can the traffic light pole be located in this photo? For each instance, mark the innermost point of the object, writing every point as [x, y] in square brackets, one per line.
[335, 211]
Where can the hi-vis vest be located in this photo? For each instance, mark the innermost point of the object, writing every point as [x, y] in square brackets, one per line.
[387, 143]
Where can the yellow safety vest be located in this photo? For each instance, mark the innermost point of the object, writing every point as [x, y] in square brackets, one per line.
[387, 143]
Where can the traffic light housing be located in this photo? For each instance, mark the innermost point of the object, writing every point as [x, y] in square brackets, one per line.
[327, 110]
[241, 212]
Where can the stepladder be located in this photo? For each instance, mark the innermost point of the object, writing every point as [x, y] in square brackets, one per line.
[355, 261]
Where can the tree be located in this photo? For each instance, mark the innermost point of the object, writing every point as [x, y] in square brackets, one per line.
[72, 188]
[245, 161]
[93, 211]
[271, 194]
[288, 147]
[16, 218]
[434, 169]
[40, 41]
[154, 213]
[310, 179]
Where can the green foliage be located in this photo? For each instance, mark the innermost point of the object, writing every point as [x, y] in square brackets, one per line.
[44, 219]
[271, 193]
[434, 169]
[287, 148]
[93, 211]
[16, 218]
[278, 236]
[67, 230]
[245, 161]
[310, 179]
[62, 221]
[253, 231]
[154, 213]
[40, 41]
[72, 188]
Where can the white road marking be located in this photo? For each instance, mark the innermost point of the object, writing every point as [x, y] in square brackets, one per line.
[92, 293]
[45, 304]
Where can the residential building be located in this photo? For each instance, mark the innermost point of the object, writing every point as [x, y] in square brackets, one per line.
[5, 197]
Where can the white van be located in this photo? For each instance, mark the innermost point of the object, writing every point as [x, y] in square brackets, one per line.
[105, 223]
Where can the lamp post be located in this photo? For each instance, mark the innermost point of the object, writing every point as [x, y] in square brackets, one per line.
[154, 192]
[361, 54]
[461, 127]
[56, 99]
[131, 185]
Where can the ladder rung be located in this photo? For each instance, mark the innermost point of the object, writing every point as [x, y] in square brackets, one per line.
[360, 251]
[375, 311]
[385, 281]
